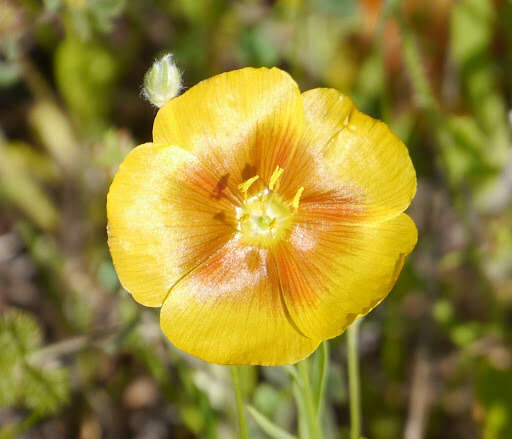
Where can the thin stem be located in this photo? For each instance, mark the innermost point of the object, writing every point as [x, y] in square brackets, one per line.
[34, 80]
[115, 334]
[353, 380]
[307, 393]
[303, 425]
[324, 371]
[240, 409]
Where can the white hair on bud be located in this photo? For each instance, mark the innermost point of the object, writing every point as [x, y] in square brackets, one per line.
[162, 82]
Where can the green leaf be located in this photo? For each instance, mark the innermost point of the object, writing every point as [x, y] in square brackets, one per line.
[416, 70]
[56, 134]
[465, 333]
[85, 74]
[476, 15]
[31, 160]
[9, 74]
[105, 11]
[19, 188]
[493, 388]
[19, 334]
[273, 430]
[42, 390]
[46, 390]
[464, 151]
[51, 5]
[10, 389]
[471, 51]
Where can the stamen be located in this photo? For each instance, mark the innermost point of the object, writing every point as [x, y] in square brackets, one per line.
[264, 218]
[244, 187]
[296, 198]
[274, 179]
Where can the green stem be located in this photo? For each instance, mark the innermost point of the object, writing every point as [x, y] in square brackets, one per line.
[309, 402]
[240, 409]
[324, 371]
[302, 421]
[353, 380]
[34, 80]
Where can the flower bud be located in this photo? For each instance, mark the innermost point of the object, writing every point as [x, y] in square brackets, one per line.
[162, 81]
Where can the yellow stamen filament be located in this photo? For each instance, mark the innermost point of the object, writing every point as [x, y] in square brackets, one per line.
[244, 187]
[296, 198]
[274, 179]
[265, 217]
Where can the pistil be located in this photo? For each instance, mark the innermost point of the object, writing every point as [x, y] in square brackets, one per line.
[265, 217]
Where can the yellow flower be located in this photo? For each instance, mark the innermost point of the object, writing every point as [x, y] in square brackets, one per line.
[260, 219]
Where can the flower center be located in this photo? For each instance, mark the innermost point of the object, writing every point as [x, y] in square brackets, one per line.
[265, 217]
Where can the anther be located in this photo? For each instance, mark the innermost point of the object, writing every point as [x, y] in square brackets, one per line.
[244, 187]
[296, 198]
[274, 179]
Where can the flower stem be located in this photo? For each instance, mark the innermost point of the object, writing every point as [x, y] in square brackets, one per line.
[353, 380]
[324, 371]
[240, 409]
[309, 402]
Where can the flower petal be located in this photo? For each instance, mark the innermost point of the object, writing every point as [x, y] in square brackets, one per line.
[331, 272]
[230, 311]
[241, 123]
[166, 213]
[352, 152]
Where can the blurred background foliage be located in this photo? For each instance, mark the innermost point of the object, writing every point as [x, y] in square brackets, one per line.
[79, 358]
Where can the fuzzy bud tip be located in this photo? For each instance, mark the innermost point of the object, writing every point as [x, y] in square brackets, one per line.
[162, 81]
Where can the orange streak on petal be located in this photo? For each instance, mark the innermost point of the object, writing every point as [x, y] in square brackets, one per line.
[333, 271]
[239, 124]
[163, 219]
[229, 311]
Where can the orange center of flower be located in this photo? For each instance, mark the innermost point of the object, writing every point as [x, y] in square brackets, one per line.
[265, 217]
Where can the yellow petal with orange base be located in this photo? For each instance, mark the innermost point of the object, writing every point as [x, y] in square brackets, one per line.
[230, 311]
[332, 272]
[344, 150]
[166, 213]
[242, 123]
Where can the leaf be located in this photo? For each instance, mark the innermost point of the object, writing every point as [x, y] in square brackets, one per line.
[31, 161]
[19, 188]
[53, 128]
[10, 389]
[85, 74]
[9, 74]
[268, 426]
[19, 334]
[46, 390]
[471, 51]
[476, 15]
[493, 388]
[52, 5]
[464, 151]
[105, 11]
[414, 64]
[43, 390]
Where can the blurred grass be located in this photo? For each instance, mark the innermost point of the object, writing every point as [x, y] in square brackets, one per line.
[436, 355]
